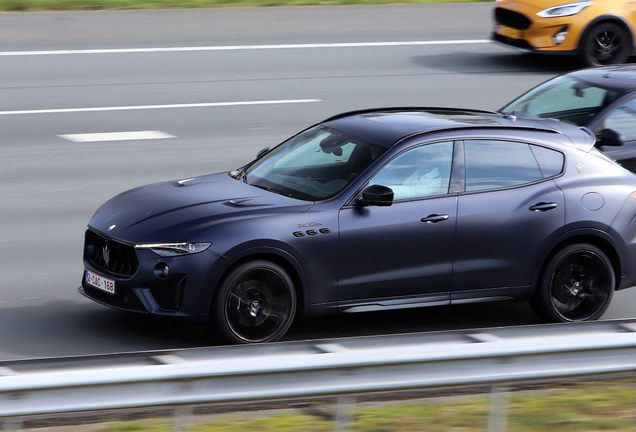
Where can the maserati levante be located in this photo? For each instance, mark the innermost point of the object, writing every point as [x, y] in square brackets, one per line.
[375, 210]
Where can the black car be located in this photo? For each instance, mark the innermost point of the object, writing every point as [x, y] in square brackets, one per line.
[375, 210]
[602, 99]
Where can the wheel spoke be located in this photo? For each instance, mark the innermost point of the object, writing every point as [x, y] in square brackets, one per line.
[240, 294]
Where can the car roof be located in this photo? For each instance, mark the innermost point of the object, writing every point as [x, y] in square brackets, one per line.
[387, 126]
[618, 77]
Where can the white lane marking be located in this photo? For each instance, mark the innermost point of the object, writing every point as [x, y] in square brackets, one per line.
[116, 136]
[244, 47]
[145, 107]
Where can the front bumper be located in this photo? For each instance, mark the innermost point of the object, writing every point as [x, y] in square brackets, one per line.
[185, 294]
[522, 46]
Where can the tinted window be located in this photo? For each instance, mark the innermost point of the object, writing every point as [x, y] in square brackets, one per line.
[623, 120]
[420, 172]
[496, 164]
[550, 161]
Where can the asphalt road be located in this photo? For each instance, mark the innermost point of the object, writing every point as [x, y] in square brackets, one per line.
[189, 74]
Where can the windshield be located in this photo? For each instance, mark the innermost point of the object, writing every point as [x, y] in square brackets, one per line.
[564, 98]
[314, 165]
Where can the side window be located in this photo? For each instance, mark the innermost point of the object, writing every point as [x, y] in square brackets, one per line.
[497, 164]
[420, 172]
[550, 161]
[623, 120]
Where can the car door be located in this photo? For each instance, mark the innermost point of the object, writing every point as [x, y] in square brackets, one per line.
[621, 119]
[509, 212]
[401, 255]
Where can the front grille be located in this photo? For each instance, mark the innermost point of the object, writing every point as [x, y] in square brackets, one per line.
[512, 19]
[169, 297]
[111, 255]
[518, 43]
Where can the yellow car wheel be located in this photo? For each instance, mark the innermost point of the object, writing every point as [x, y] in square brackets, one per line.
[606, 43]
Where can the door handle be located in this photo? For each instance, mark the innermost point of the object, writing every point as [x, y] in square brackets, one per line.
[543, 206]
[434, 218]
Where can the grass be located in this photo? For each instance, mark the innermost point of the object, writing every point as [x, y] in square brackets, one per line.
[582, 407]
[52, 5]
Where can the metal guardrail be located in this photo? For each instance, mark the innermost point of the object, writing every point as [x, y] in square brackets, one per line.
[314, 368]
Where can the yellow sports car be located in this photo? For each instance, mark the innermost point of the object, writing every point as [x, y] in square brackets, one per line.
[599, 32]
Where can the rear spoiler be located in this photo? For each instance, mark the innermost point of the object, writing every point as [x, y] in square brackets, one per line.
[587, 142]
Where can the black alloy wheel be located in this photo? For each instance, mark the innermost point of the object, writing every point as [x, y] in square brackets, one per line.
[255, 303]
[577, 285]
[606, 44]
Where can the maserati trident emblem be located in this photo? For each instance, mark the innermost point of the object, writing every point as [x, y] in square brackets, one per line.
[106, 254]
[579, 168]
[112, 227]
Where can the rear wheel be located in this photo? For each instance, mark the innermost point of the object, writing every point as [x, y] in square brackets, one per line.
[256, 302]
[576, 285]
[607, 43]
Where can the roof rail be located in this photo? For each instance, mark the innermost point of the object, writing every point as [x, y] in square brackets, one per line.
[499, 127]
[409, 108]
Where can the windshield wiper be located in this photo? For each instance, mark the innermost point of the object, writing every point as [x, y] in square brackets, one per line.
[269, 189]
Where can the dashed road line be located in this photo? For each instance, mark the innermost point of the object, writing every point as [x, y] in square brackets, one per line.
[116, 136]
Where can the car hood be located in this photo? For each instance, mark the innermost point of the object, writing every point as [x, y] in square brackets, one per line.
[534, 4]
[174, 211]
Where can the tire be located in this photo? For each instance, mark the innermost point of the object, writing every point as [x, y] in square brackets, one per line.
[576, 285]
[605, 44]
[256, 302]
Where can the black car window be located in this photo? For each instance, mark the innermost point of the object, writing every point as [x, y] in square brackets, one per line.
[623, 120]
[550, 161]
[496, 164]
[417, 173]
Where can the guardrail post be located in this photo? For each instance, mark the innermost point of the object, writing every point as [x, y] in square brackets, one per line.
[345, 413]
[498, 414]
[12, 425]
[182, 418]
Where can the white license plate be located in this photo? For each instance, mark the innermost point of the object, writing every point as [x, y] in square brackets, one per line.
[100, 282]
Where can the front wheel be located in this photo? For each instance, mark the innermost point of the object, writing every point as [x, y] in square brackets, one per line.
[606, 44]
[576, 285]
[256, 302]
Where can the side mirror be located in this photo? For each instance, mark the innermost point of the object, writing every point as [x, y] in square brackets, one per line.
[376, 195]
[262, 153]
[609, 137]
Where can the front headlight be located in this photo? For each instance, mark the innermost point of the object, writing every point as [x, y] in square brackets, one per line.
[564, 9]
[174, 249]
